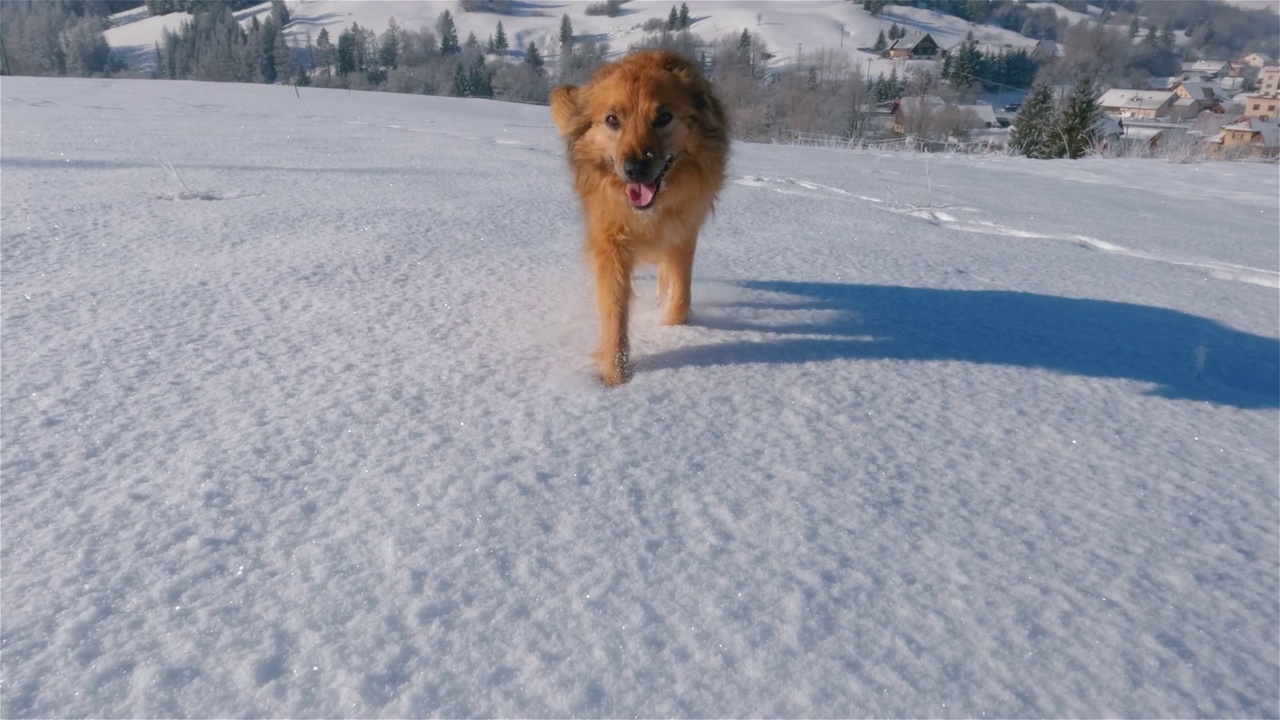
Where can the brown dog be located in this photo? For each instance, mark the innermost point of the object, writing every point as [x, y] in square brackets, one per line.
[648, 142]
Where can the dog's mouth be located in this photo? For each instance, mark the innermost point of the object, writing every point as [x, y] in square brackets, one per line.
[643, 195]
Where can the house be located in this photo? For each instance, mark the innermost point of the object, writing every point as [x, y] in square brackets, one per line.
[1195, 98]
[1269, 81]
[984, 113]
[1265, 107]
[1106, 130]
[912, 112]
[929, 114]
[1251, 136]
[1256, 60]
[1047, 50]
[1129, 103]
[1152, 133]
[1208, 68]
[1231, 85]
[915, 46]
[1209, 93]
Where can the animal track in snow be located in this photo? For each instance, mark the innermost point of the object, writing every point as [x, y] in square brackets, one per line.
[938, 215]
[780, 185]
[1219, 270]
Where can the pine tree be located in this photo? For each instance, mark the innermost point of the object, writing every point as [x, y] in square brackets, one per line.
[977, 11]
[500, 45]
[566, 31]
[684, 16]
[478, 78]
[283, 60]
[672, 18]
[881, 44]
[1035, 125]
[896, 31]
[448, 34]
[1075, 133]
[461, 82]
[267, 51]
[346, 57]
[532, 56]
[472, 42]
[967, 62]
[324, 52]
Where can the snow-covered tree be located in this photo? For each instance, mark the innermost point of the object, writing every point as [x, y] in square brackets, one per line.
[448, 34]
[880, 44]
[500, 43]
[532, 56]
[1036, 124]
[1075, 129]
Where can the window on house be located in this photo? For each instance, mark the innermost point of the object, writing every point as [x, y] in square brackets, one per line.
[1256, 106]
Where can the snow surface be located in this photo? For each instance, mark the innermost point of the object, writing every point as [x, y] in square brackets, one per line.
[299, 420]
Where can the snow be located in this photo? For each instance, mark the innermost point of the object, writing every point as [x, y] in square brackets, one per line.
[299, 420]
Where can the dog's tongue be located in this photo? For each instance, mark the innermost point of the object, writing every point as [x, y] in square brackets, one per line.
[641, 194]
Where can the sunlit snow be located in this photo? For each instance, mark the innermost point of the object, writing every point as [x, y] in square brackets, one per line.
[299, 419]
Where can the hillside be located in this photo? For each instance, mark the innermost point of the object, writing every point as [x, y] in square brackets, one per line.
[299, 420]
[784, 24]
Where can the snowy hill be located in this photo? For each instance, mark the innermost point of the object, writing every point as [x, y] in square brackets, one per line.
[299, 420]
[784, 24]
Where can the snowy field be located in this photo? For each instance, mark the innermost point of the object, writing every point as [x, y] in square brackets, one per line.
[299, 420]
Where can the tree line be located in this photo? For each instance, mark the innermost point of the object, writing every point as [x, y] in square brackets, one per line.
[58, 37]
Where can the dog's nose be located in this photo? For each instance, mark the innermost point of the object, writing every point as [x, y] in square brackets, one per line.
[640, 168]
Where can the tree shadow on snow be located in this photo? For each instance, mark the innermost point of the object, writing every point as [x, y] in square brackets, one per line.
[1092, 338]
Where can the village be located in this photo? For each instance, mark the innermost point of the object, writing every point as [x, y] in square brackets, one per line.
[1221, 108]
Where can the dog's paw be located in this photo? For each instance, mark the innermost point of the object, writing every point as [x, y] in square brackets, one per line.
[615, 369]
[675, 316]
[614, 379]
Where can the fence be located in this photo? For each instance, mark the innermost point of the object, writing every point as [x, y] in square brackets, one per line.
[909, 143]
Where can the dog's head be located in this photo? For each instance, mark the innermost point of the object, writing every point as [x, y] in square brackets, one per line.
[641, 122]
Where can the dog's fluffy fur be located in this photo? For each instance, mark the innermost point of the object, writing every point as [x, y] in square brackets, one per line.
[648, 142]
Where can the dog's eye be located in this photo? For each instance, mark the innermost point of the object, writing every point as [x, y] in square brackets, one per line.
[664, 119]
[612, 121]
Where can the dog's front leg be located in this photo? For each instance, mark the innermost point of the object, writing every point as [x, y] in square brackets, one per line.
[612, 268]
[677, 270]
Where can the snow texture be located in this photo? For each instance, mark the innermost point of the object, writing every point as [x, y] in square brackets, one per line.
[299, 419]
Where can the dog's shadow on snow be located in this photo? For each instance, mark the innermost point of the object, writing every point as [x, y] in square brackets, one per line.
[1092, 338]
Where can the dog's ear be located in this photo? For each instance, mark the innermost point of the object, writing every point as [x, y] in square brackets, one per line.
[711, 112]
[566, 112]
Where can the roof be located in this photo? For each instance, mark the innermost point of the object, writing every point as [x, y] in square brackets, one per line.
[1050, 48]
[985, 113]
[911, 103]
[1136, 131]
[1208, 66]
[1106, 126]
[1268, 130]
[1203, 91]
[932, 103]
[911, 40]
[1128, 99]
